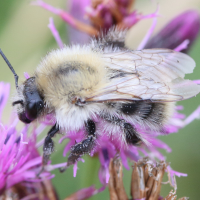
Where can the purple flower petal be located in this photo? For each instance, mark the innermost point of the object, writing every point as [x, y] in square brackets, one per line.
[193, 116]
[124, 159]
[182, 46]
[75, 167]
[197, 81]
[52, 167]
[148, 35]
[134, 18]
[172, 175]
[159, 144]
[26, 75]
[55, 33]
[77, 10]
[86, 193]
[46, 6]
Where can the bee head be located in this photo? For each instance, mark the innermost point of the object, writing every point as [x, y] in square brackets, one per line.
[29, 101]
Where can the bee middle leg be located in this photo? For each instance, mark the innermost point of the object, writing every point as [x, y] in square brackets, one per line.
[129, 130]
[83, 147]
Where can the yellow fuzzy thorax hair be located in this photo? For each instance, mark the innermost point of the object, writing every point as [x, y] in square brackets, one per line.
[70, 72]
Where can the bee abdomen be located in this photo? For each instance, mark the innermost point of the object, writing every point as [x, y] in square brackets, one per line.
[129, 108]
[154, 113]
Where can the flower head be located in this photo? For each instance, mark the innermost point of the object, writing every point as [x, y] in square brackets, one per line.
[103, 15]
[96, 16]
[20, 161]
[185, 26]
[107, 147]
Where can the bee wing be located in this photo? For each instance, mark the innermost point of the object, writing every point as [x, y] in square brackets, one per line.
[150, 74]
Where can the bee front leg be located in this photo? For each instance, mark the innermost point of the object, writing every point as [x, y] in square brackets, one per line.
[83, 147]
[48, 147]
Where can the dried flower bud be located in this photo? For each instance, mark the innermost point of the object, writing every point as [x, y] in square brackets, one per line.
[138, 181]
[115, 184]
[146, 181]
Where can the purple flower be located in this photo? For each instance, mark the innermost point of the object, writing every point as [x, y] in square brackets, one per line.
[20, 161]
[77, 11]
[19, 158]
[84, 193]
[107, 147]
[185, 26]
[105, 14]
[101, 15]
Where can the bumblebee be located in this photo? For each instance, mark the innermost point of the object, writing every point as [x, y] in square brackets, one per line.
[104, 88]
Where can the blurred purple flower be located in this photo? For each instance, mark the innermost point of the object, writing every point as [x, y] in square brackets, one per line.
[84, 193]
[20, 161]
[55, 33]
[101, 15]
[77, 11]
[79, 25]
[185, 26]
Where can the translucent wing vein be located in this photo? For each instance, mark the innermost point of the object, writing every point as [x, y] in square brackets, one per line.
[150, 74]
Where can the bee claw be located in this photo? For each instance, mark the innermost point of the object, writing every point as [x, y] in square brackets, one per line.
[63, 169]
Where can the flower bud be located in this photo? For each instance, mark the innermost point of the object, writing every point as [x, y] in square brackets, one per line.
[184, 26]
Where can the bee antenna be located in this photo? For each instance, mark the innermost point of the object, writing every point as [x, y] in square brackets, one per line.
[11, 68]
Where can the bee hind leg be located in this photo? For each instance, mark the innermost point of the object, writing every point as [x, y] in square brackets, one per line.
[83, 147]
[131, 134]
[129, 130]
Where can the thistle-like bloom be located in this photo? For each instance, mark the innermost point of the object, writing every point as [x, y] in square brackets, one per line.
[108, 147]
[105, 14]
[184, 27]
[100, 16]
[20, 161]
[24, 166]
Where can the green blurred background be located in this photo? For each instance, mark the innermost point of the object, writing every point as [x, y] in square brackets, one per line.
[25, 38]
